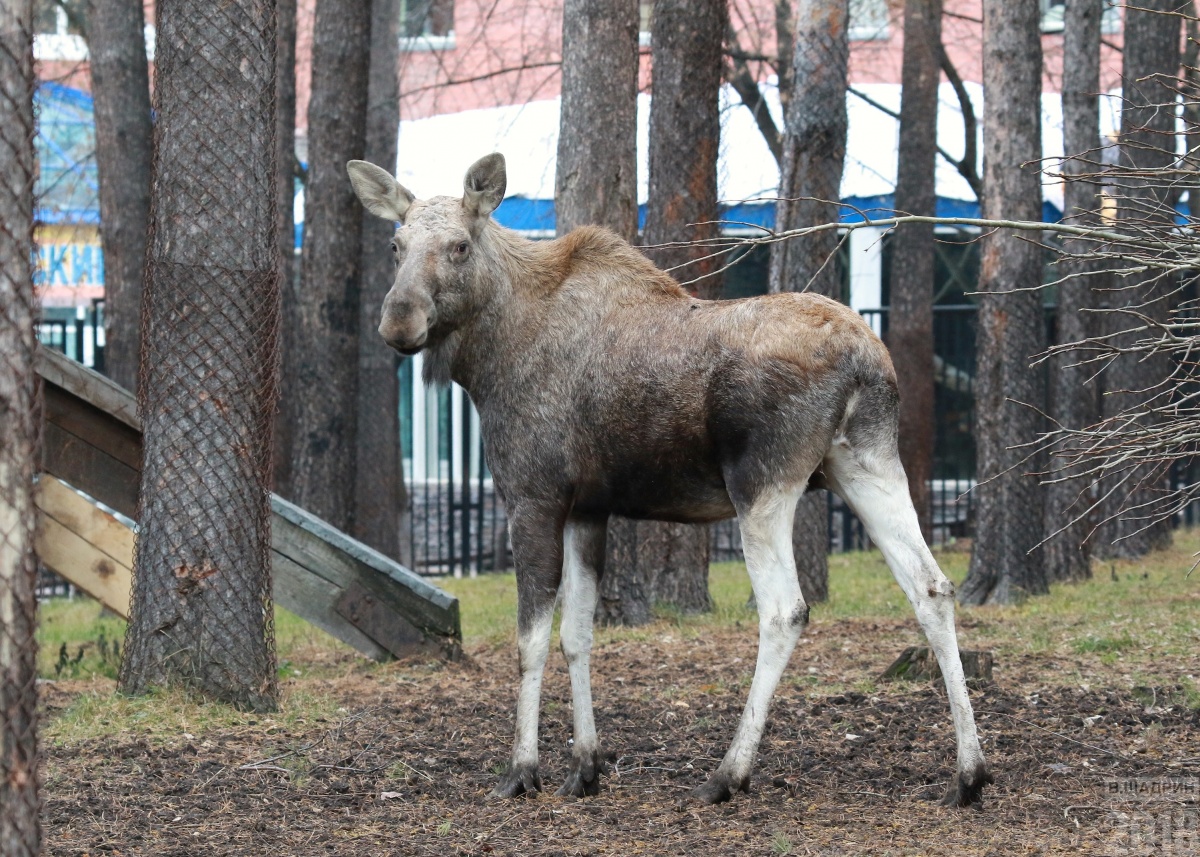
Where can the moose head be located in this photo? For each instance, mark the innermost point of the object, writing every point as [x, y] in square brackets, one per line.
[436, 247]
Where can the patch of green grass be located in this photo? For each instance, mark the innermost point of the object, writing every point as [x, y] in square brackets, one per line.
[781, 844]
[166, 714]
[77, 638]
[1103, 644]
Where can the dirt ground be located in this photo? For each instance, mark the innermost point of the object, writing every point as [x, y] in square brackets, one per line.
[408, 766]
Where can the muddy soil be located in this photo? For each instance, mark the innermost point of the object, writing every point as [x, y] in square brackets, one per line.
[407, 768]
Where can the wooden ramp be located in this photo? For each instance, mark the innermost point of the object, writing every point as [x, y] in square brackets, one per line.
[92, 441]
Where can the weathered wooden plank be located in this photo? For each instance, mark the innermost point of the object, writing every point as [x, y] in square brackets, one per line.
[314, 599]
[383, 624]
[78, 463]
[435, 609]
[92, 425]
[91, 523]
[92, 387]
[85, 565]
[92, 441]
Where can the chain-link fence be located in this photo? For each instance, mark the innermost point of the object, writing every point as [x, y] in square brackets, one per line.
[19, 829]
[210, 321]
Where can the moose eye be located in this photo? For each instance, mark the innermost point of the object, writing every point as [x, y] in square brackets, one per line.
[461, 249]
[395, 249]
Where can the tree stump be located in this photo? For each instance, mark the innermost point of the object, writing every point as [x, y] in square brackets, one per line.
[917, 663]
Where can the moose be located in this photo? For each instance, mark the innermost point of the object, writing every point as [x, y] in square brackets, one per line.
[604, 388]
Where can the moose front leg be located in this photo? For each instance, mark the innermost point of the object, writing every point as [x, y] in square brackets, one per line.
[583, 562]
[537, 550]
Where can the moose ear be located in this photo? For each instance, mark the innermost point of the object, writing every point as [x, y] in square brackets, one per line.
[483, 188]
[379, 193]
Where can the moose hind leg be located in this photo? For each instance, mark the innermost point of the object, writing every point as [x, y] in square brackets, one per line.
[873, 483]
[782, 614]
[583, 560]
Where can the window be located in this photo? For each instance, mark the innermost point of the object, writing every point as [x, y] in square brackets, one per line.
[426, 25]
[1054, 12]
[58, 31]
[645, 22]
[868, 20]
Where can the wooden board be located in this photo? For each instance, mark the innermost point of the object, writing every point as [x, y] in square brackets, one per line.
[84, 544]
[92, 441]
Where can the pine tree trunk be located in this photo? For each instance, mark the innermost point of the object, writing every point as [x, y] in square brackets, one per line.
[595, 181]
[685, 129]
[1011, 326]
[379, 495]
[20, 831]
[201, 601]
[121, 99]
[814, 151]
[910, 318]
[1073, 400]
[320, 393]
[1150, 67]
[285, 179]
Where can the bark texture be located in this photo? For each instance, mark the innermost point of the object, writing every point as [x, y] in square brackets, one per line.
[285, 182]
[685, 129]
[320, 390]
[121, 98]
[1011, 326]
[910, 317]
[1073, 400]
[814, 151]
[20, 830]
[1145, 200]
[596, 182]
[379, 496]
[201, 601]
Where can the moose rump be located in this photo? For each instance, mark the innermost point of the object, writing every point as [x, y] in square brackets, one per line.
[604, 388]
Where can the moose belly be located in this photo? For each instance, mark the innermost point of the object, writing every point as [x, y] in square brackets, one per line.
[685, 491]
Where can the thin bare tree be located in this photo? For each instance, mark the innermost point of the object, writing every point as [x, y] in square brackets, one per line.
[685, 129]
[1011, 325]
[379, 495]
[910, 318]
[320, 378]
[121, 97]
[814, 151]
[1074, 397]
[20, 830]
[595, 181]
[1144, 201]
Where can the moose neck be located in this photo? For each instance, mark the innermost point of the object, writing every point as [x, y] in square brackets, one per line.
[479, 351]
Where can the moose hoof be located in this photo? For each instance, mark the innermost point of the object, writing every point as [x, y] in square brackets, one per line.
[967, 789]
[520, 780]
[584, 779]
[719, 788]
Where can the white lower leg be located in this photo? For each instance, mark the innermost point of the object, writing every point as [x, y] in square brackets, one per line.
[579, 595]
[782, 615]
[877, 491]
[534, 646]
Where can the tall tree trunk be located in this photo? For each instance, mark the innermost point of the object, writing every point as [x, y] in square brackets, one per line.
[1073, 400]
[1011, 326]
[814, 151]
[121, 95]
[1146, 199]
[379, 495]
[320, 393]
[910, 318]
[595, 181]
[20, 831]
[685, 130]
[285, 190]
[201, 601]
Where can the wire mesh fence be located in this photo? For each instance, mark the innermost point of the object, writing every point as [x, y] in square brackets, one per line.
[19, 829]
[201, 612]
